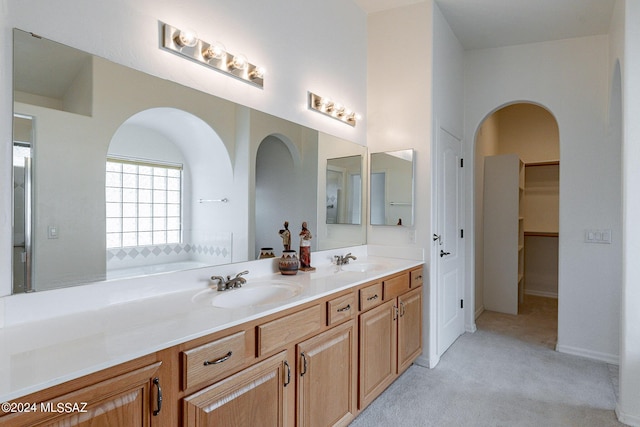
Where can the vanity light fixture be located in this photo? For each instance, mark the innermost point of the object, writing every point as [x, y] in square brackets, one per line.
[186, 43]
[332, 109]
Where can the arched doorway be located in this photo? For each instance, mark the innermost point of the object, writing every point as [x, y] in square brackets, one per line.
[516, 200]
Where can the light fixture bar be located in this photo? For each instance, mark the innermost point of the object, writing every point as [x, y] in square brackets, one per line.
[332, 109]
[213, 55]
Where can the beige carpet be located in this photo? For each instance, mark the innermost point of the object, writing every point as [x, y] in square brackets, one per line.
[505, 374]
[536, 322]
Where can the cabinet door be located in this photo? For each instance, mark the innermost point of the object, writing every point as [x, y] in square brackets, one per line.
[377, 351]
[327, 380]
[409, 328]
[124, 400]
[252, 397]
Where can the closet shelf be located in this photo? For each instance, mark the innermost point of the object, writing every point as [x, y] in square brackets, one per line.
[541, 233]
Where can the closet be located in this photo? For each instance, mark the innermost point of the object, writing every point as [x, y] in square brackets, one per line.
[541, 206]
[520, 231]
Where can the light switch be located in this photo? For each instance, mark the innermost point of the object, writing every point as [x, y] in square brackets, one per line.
[53, 232]
[597, 236]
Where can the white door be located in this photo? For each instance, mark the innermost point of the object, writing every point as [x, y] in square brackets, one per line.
[448, 241]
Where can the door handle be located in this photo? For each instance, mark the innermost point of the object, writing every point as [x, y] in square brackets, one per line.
[438, 238]
[443, 253]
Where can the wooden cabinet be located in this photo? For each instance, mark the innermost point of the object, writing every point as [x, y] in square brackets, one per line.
[127, 399]
[214, 360]
[252, 397]
[317, 364]
[327, 363]
[390, 335]
[409, 328]
[377, 351]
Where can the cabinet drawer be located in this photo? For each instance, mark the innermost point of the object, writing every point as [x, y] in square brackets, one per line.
[341, 308]
[211, 361]
[280, 332]
[395, 286]
[416, 278]
[370, 296]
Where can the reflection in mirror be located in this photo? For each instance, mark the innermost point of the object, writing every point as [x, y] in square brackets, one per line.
[332, 150]
[391, 183]
[344, 190]
[286, 182]
[134, 175]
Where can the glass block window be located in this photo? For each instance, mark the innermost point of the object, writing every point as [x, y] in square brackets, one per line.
[144, 203]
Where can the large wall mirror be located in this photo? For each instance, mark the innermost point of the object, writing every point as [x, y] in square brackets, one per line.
[118, 173]
[391, 184]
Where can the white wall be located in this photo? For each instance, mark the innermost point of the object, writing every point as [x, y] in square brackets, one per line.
[400, 116]
[274, 34]
[628, 408]
[448, 114]
[569, 78]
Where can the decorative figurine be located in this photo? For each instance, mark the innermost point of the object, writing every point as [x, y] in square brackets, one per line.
[305, 248]
[285, 234]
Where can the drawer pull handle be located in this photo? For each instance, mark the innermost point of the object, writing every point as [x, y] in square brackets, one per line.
[347, 308]
[156, 382]
[419, 277]
[288, 373]
[373, 297]
[222, 359]
[304, 364]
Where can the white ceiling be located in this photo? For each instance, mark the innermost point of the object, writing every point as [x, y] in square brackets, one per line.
[482, 24]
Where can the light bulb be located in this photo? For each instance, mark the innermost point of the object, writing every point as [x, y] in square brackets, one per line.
[215, 51]
[239, 62]
[257, 73]
[186, 38]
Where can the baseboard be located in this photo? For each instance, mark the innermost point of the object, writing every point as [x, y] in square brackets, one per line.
[612, 359]
[545, 294]
[423, 361]
[479, 311]
[471, 328]
[630, 420]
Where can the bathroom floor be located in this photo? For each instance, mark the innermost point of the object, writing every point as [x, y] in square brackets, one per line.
[536, 322]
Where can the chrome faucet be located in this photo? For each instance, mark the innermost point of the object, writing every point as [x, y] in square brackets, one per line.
[344, 259]
[229, 283]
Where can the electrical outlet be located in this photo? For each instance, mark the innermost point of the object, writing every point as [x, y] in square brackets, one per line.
[52, 232]
[412, 236]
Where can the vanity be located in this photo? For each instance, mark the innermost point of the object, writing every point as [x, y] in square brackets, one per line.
[315, 358]
[114, 342]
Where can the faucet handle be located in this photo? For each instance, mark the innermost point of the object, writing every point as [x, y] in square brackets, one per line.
[242, 273]
[220, 284]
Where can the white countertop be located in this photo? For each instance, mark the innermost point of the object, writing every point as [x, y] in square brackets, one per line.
[47, 352]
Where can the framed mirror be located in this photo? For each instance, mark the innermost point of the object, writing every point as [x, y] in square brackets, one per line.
[391, 183]
[344, 190]
[133, 175]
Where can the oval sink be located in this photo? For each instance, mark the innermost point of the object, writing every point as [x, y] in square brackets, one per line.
[363, 267]
[251, 294]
